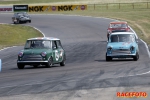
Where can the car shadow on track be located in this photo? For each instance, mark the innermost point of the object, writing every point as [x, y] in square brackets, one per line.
[31, 67]
[18, 23]
[114, 60]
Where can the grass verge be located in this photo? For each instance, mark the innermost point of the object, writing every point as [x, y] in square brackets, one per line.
[67, 1]
[11, 35]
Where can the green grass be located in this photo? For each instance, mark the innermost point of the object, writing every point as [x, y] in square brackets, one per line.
[69, 1]
[11, 35]
[30, 1]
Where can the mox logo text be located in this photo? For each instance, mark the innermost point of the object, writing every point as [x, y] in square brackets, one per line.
[56, 8]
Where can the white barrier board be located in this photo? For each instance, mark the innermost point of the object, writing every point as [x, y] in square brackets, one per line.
[6, 9]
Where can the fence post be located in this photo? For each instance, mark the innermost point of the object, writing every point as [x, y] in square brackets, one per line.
[94, 6]
[133, 5]
[107, 6]
[0, 65]
[147, 5]
[119, 5]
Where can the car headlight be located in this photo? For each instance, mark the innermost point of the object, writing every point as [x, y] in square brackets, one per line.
[20, 54]
[109, 48]
[43, 54]
[132, 48]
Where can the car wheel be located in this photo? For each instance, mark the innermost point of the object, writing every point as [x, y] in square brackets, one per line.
[135, 58]
[50, 62]
[35, 66]
[108, 58]
[62, 63]
[20, 66]
[29, 21]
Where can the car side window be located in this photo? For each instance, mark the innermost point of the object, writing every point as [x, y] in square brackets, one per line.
[59, 44]
[54, 45]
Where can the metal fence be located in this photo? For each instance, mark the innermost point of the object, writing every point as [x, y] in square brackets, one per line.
[137, 5]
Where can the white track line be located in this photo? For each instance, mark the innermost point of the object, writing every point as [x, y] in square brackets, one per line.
[7, 48]
[146, 47]
[26, 25]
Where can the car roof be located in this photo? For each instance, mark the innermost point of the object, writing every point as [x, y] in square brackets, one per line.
[116, 33]
[20, 12]
[43, 38]
[118, 22]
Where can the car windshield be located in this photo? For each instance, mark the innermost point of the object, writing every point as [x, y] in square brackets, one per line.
[40, 44]
[118, 26]
[22, 14]
[122, 38]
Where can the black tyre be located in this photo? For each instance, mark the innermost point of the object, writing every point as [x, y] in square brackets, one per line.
[35, 66]
[62, 63]
[108, 58]
[50, 62]
[29, 21]
[20, 66]
[135, 58]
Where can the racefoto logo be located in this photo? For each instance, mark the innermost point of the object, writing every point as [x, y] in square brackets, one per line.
[18, 8]
[131, 94]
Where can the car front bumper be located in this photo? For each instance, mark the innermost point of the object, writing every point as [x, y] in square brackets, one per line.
[32, 62]
[121, 55]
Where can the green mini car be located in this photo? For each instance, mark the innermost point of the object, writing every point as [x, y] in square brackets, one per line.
[41, 51]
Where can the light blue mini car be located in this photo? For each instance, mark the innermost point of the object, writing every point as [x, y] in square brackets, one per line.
[122, 45]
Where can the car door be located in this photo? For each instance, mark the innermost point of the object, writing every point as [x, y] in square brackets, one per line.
[60, 51]
[55, 52]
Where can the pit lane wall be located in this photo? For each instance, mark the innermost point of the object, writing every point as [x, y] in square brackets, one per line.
[41, 8]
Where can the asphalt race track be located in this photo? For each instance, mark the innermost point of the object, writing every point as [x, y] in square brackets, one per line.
[86, 76]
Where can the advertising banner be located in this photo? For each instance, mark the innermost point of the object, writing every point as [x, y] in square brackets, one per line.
[39, 8]
[18, 8]
[6, 9]
[72, 7]
[56, 8]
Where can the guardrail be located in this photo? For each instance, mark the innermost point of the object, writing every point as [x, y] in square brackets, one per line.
[135, 5]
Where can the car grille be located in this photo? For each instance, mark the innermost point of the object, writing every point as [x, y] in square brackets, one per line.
[121, 51]
[32, 58]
